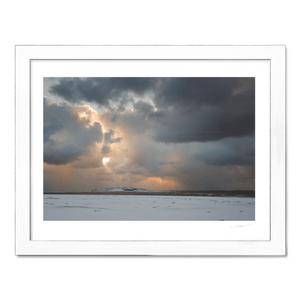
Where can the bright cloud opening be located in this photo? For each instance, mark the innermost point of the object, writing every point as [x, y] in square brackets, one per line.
[105, 160]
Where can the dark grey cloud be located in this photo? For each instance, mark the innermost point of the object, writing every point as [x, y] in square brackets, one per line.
[204, 124]
[102, 90]
[108, 137]
[193, 92]
[77, 134]
[148, 111]
[227, 152]
[183, 110]
[52, 124]
[209, 121]
[61, 153]
[106, 149]
[130, 123]
[163, 163]
[217, 114]
[205, 109]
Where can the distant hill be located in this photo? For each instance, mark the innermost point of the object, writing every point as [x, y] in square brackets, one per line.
[121, 189]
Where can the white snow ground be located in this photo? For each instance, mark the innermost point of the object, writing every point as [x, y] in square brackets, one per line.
[132, 207]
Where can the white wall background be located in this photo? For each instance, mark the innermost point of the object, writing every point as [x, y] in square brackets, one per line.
[148, 22]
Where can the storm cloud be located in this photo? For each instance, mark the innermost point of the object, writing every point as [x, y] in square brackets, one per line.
[66, 135]
[183, 109]
[103, 91]
[108, 137]
[183, 133]
[206, 109]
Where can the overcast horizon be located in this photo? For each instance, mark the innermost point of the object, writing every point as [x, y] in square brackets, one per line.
[153, 133]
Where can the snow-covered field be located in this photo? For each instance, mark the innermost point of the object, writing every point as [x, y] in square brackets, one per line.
[154, 207]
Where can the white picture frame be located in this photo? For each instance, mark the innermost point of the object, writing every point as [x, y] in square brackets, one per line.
[275, 244]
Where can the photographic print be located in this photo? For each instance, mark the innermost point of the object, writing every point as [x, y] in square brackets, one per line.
[149, 148]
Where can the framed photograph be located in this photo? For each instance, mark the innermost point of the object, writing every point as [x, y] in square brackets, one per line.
[150, 150]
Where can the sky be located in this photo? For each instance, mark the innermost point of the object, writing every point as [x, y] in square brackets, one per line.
[154, 133]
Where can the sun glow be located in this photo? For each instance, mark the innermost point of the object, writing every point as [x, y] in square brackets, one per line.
[82, 115]
[103, 129]
[105, 160]
[159, 183]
